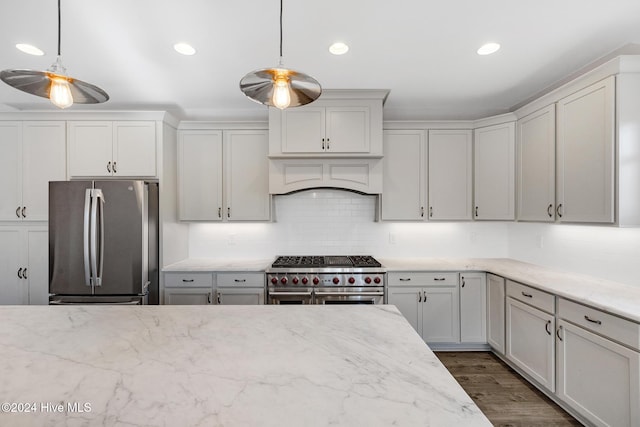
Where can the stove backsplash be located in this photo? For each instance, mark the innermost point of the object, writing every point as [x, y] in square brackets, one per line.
[329, 222]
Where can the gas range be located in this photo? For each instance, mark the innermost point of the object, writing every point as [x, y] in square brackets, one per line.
[334, 279]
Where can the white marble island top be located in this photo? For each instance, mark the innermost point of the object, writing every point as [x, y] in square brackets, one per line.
[224, 365]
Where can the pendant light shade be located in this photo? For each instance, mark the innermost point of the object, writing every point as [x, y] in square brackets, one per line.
[54, 83]
[280, 87]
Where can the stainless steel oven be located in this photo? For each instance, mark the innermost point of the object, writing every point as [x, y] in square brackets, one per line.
[326, 280]
[349, 295]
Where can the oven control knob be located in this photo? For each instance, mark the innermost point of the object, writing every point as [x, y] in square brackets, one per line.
[367, 280]
[305, 280]
[376, 280]
[295, 280]
[283, 280]
[352, 280]
[336, 280]
[316, 280]
[274, 280]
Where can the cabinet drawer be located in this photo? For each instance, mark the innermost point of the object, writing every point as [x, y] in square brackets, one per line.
[422, 279]
[191, 280]
[235, 280]
[539, 299]
[614, 327]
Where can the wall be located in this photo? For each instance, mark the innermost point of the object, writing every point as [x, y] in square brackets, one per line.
[607, 252]
[341, 222]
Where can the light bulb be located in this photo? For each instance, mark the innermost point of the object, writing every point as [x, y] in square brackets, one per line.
[60, 92]
[281, 97]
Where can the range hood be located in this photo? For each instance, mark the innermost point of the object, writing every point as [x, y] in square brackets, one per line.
[362, 175]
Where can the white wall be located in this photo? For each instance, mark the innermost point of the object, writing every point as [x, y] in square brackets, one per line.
[607, 252]
[340, 222]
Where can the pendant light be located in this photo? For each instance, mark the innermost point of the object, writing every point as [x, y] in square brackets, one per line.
[54, 83]
[279, 86]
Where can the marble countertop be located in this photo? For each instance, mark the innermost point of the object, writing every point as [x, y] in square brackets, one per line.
[223, 365]
[613, 297]
[220, 264]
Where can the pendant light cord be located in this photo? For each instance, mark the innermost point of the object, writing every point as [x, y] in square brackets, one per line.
[280, 31]
[59, 28]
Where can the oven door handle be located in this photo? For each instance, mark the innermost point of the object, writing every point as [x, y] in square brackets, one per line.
[350, 294]
[291, 294]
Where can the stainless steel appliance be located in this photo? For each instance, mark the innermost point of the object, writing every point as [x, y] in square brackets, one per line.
[103, 242]
[357, 279]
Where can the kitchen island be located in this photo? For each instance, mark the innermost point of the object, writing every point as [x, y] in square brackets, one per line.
[223, 365]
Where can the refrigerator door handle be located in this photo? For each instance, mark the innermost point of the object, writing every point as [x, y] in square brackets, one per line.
[86, 238]
[97, 234]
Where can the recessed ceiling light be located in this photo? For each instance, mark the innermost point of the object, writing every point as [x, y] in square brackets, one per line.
[338, 48]
[488, 49]
[184, 48]
[30, 49]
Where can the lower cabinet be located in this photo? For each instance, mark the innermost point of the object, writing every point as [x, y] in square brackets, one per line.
[429, 302]
[24, 265]
[240, 288]
[598, 377]
[495, 312]
[473, 308]
[188, 288]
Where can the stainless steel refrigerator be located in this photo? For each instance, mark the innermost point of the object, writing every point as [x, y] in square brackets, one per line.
[103, 242]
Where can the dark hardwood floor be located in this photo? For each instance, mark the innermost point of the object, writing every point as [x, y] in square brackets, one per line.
[506, 399]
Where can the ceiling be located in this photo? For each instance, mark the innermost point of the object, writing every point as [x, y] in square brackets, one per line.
[423, 52]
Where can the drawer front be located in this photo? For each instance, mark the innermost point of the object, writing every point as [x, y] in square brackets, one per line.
[422, 279]
[235, 280]
[191, 280]
[616, 328]
[534, 297]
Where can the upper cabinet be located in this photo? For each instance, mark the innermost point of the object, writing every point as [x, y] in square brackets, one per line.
[112, 149]
[450, 175]
[32, 153]
[223, 175]
[494, 188]
[345, 123]
[586, 154]
[536, 148]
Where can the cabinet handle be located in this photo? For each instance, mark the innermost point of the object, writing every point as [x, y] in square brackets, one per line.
[421, 211]
[219, 212]
[219, 296]
[546, 327]
[24, 212]
[20, 273]
[18, 211]
[463, 282]
[476, 211]
[187, 280]
[527, 295]
[239, 280]
[114, 168]
[209, 297]
[438, 279]
[550, 210]
[588, 319]
[228, 212]
[24, 273]
[419, 296]
[430, 211]
[558, 333]
[323, 143]
[425, 295]
[328, 142]
[559, 210]
[109, 167]
[407, 279]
